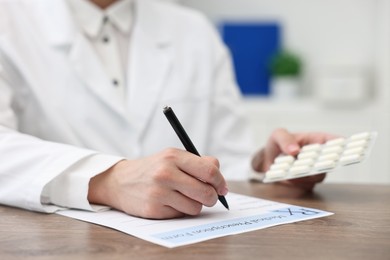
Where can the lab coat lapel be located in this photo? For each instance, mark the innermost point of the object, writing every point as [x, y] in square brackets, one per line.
[150, 57]
[151, 60]
[90, 70]
[62, 34]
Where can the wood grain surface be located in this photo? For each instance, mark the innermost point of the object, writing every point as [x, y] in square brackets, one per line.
[360, 229]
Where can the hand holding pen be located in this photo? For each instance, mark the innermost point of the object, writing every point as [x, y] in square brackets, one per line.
[169, 184]
[184, 138]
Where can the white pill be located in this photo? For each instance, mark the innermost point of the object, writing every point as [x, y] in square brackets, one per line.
[324, 165]
[338, 141]
[301, 162]
[364, 135]
[359, 150]
[332, 149]
[280, 166]
[311, 147]
[360, 143]
[349, 159]
[305, 155]
[295, 170]
[329, 156]
[273, 174]
[285, 159]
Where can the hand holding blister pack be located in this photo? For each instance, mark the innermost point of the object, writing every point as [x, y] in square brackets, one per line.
[320, 158]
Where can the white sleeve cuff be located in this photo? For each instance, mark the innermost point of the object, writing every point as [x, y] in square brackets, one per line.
[70, 188]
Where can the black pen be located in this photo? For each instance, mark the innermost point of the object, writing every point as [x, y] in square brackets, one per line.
[181, 133]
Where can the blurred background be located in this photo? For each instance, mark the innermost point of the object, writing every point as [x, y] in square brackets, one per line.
[319, 65]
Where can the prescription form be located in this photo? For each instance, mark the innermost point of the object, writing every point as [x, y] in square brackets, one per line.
[246, 214]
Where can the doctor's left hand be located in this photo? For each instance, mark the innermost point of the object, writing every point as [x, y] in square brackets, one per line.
[282, 141]
[169, 184]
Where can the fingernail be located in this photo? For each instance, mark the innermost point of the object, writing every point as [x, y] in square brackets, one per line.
[293, 148]
[224, 191]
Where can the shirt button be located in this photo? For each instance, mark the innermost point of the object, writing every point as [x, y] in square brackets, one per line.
[106, 39]
[115, 82]
[105, 19]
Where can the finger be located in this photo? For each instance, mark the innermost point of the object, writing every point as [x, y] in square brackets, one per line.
[258, 161]
[307, 183]
[192, 188]
[199, 168]
[161, 212]
[150, 204]
[212, 160]
[183, 204]
[286, 141]
[166, 203]
[314, 137]
[277, 143]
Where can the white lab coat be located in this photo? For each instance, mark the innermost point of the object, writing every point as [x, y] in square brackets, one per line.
[58, 106]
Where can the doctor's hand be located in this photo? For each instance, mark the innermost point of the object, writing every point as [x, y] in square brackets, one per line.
[284, 142]
[172, 183]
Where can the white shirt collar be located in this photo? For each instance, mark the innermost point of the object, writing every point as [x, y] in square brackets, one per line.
[90, 16]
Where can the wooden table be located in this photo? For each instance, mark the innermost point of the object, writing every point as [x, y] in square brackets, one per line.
[360, 229]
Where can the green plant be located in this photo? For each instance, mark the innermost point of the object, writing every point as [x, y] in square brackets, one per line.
[284, 63]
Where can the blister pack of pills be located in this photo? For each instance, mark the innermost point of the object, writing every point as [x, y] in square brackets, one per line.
[319, 158]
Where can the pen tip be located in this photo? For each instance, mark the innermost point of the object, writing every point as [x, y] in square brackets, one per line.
[223, 201]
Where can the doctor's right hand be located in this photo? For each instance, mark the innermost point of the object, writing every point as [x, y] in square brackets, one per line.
[172, 183]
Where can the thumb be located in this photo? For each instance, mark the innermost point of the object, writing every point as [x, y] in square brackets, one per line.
[286, 141]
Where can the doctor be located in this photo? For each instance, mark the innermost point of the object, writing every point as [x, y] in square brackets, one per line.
[83, 84]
